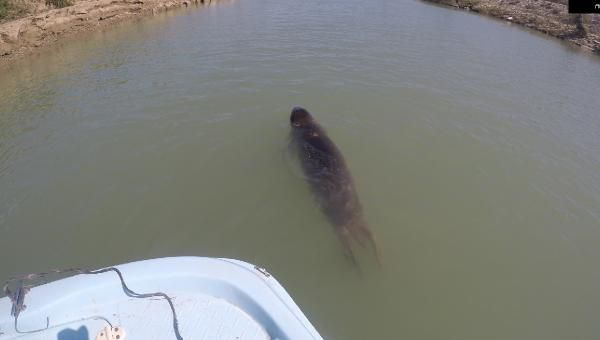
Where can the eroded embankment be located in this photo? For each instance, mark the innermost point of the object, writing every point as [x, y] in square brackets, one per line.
[28, 34]
[547, 16]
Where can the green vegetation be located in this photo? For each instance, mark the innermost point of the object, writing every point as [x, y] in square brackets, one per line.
[58, 3]
[9, 10]
[467, 3]
[4, 9]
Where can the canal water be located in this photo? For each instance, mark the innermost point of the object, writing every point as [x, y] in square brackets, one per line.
[474, 145]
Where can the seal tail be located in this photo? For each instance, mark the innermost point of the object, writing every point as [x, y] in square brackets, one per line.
[344, 236]
[362, 234]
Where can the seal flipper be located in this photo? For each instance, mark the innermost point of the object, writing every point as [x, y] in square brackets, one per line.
[373, 242]
[344, 236]
[362, 234]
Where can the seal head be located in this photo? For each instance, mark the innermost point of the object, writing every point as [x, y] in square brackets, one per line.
[300, 118]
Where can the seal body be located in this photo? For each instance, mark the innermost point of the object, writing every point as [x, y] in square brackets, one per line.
[331, 182]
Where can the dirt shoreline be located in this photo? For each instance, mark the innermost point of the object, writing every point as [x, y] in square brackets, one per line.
[547, 16]
[29, 34]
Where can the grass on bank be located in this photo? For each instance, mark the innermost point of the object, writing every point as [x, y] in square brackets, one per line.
[8, 10]
[11, 9]
[59, 3]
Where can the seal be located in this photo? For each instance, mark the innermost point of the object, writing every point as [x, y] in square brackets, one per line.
[331, 182]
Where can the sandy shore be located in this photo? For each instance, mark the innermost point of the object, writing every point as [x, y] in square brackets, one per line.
[25, 35]
[547, 16]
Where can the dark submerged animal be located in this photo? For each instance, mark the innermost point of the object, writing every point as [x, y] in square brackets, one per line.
[330, 180]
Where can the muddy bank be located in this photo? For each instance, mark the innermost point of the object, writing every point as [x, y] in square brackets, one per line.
[46, 26]
[547, 16]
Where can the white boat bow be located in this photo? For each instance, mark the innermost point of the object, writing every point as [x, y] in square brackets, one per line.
[212, 299]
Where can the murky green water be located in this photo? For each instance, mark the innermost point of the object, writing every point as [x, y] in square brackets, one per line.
[475, 147]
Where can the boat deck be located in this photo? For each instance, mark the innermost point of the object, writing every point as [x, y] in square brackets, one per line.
[212, 298]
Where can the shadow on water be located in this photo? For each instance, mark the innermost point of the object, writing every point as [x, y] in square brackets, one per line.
[290, 155]
[70, 334]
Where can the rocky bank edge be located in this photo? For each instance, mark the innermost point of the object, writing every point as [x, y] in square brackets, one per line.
[23, 36]
[547, 16]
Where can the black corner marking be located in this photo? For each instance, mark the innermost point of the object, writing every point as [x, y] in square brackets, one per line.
[584, 6]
